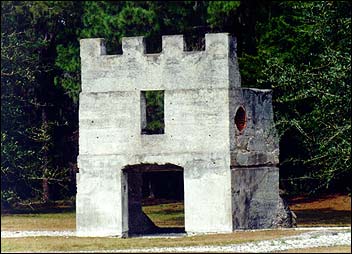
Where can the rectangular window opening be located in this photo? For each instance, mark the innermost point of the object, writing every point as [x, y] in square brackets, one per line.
[152, 112]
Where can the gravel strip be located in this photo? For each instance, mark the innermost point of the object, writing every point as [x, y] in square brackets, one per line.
[13, 234]
[304, 240]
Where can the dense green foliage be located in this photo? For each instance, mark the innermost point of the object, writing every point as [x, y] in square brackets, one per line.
[306, 59]
[301, 50]
[35, 115]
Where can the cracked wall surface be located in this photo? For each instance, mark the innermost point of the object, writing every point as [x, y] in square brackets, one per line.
[201, 95]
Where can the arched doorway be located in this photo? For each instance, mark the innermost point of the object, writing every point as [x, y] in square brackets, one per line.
[155, 198]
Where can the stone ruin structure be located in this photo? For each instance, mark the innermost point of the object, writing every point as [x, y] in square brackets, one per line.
[220, 135]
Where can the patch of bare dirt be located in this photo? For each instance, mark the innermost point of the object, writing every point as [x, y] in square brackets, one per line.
[328, 210]
[337, 202]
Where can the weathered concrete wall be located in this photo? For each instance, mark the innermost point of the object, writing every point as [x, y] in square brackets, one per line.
[258, 143]
[207, 197]
[254, 159]
[255, 197]
[112, 122]
[172, 69]
[201, 94]
[98, 196]
[196, 124]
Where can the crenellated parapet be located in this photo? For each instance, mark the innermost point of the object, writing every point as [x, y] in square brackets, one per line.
[172, 68]
[218, 43]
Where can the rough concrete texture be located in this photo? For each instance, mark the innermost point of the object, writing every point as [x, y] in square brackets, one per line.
[201, 96]
[255, 197]
[257, 144]
[285, 218]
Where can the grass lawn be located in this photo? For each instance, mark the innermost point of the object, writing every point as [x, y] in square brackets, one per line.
[334, 211]
[46, 221]
[166, 215]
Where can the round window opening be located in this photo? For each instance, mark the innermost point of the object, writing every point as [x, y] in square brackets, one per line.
[240, 119]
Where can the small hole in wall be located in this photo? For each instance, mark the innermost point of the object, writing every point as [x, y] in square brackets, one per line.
[241, 119]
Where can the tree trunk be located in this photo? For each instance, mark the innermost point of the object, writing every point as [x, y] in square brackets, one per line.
[45, 182]
[46, 190]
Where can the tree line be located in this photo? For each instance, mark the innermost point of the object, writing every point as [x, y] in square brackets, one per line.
[301, 50]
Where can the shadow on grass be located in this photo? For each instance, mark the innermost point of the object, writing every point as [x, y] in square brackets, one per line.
[159, 201]
[169, 230]
[306, 199]
[161, 230]
[323, 217]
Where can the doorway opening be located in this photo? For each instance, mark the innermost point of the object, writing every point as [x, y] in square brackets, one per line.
[155, 198]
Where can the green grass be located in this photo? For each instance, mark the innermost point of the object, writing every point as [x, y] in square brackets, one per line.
[166, 215]
[46, 221]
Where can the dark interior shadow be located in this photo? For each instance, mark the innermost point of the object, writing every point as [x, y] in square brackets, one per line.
[170, 230]
[160, 231]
